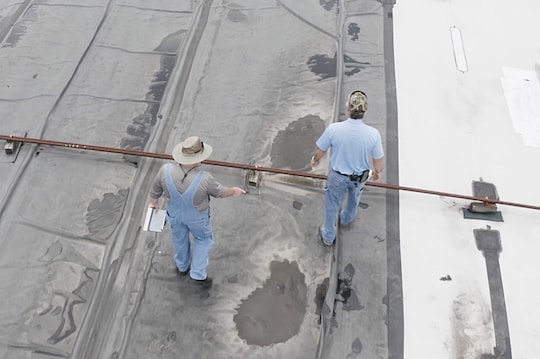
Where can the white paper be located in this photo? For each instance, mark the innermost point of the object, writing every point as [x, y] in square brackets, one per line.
[155, 220]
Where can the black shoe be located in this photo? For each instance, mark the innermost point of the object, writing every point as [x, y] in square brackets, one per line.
[182, 272]
[203, 282]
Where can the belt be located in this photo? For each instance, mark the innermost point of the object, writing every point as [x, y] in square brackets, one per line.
[363, 177]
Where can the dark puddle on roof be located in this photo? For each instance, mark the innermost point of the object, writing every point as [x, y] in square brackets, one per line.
[356, 349]
[104, 215]
[273, 314]
[345, 292]
[322, 65]
[297, 205]
[328, 4]
[171, 42]
[293, 147]
[353, 66]
[138, 132]
[320, 295]
[236, 15]
[157, 87]
[326, 66]
[353, 30]
[16, 34]
[19, 29]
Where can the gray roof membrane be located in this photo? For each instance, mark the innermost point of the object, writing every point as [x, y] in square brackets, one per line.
[259, 82]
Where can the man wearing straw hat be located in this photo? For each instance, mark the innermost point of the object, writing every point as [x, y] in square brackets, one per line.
[188, 190]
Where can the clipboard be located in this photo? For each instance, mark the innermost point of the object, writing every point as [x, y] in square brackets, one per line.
[155, 220]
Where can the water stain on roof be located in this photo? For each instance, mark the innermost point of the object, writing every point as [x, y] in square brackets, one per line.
[292, 147]
[273, 314]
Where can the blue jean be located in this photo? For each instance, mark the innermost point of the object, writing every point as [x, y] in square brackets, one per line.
[337, 186]
[202, 245]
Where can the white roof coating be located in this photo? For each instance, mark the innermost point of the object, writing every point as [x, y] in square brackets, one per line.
[457, 127]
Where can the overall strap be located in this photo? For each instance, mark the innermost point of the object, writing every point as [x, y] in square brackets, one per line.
[173, 191]
[194, 185]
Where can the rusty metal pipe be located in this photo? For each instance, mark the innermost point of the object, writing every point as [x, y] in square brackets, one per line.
[80, 146]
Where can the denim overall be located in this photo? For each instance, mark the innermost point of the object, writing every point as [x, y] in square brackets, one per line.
[185, 218]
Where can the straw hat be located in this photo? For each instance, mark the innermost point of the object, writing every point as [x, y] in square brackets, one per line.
[191, 151]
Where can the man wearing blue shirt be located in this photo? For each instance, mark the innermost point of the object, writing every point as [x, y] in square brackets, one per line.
[357, 153]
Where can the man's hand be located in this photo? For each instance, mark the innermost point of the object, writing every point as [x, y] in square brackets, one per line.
[154, 203]
[236, 191]
[316, 158]
[376, 176]
[378, 166]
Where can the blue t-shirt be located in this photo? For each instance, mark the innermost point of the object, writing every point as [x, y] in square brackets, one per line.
[353, 145]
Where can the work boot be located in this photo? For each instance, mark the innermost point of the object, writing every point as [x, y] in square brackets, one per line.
[207, 282]
[182, 273]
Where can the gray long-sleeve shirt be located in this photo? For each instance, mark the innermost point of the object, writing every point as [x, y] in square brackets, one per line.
[208, 186]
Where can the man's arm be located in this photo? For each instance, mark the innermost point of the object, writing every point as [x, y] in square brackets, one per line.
[378, 166]
[316, 158]
[216, 189]
[234, 192]
[156, 190]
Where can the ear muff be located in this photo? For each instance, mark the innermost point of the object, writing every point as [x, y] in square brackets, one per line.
[358, 101]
